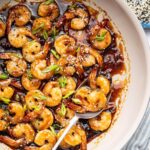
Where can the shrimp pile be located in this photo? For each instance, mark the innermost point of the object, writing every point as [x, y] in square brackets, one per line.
[54, 63]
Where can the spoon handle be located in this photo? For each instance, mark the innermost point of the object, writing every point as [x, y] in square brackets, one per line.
[71, 123]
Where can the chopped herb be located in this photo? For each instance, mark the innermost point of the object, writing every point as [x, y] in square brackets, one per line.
[39, 28]
[39, 96]
[36, 108]
[4, 76]
[53, 130]
[5, 100]
[63, 110]
[62, 81]
[30, 77]
[32, 42]
[55, 53]
[45, 34]
[54, 32]
[57, 126]
[17, 97]
[78, 49]
[51, 68]
[68, 94]
[76, 100]
[101, 37]
[48, 2]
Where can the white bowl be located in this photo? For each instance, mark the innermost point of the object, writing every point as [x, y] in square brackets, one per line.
[139, 89]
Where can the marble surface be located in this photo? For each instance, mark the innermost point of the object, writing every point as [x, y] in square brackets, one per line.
[141, 138]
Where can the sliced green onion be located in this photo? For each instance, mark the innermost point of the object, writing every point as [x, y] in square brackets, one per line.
[101, 37]
[18, 55]
[53, 130]
[4, 76]
[76, 101]
[51, 68]
[17, 97]
[62, 81]
[39, 28]
[63, 110]
[45, 34]
[55, 54]
[39, 95]
[36, 108]
[57, 126]
[78, 49]
[48, 2]
[68, 94]
[5, 100]
[54, 33]
[30, 77]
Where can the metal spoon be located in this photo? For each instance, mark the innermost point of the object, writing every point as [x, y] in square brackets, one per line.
[72, 122]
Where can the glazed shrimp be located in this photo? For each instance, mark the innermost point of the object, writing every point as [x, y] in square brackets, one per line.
[44, 121]
[64, 120]
[102, 122]
[53, 92]
[79, 18]
[20, 14]
[16, 66]
[34, 98]
[100, 38]
[37, 70]
[65, 44]
[18, 112]
[70, 86]
[6, 92]
[75, 137]
[2, 28]
[50, 10]
[33, 50]
[29, 82]
[23, 130]
[3, 123]
[67, 63]
[18, 36]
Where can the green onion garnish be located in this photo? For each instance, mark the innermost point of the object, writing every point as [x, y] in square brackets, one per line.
[68, 94]
[62, 81]
[51, 68]
[4, 76]
[55, 54]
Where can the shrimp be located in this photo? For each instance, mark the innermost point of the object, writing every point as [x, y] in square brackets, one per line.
[20, 14]
[53, 92]
[102, 122]
[2, 28]
[44, 121]
[70, 86]
[35, 98]
[18, 112]
[88, 56]
[18, 36]
[3, 123]
[29, 82]
[74, 137]
[100, 38]
[6, 92]
[65, 44]
[33, 50]
[37, 70]
[68, 65]
[23, 130]
[64, 120]
[40, 25]
[49, 10]
[79, 18]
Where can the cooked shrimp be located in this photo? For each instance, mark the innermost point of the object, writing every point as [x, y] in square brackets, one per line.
[29, 82]
[44, 121]
[33, 50]
[34, 98]
[3, 123]
[23, 130]
[75, 137]
[79, 18]
[2, 28]
[100, 38]
[70, 85]
[37, 70]
[20, 14]
[64, 120]
[68, 65]
[6, 92]
[18, 36]
[65, 44]
[18, 112]
[49, 10]
[102, 122]
[53, 92]
[40, 25]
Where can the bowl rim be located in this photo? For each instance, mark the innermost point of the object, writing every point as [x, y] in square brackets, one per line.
[146, 51]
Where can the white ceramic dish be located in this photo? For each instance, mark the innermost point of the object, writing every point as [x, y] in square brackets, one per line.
[139, 91]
